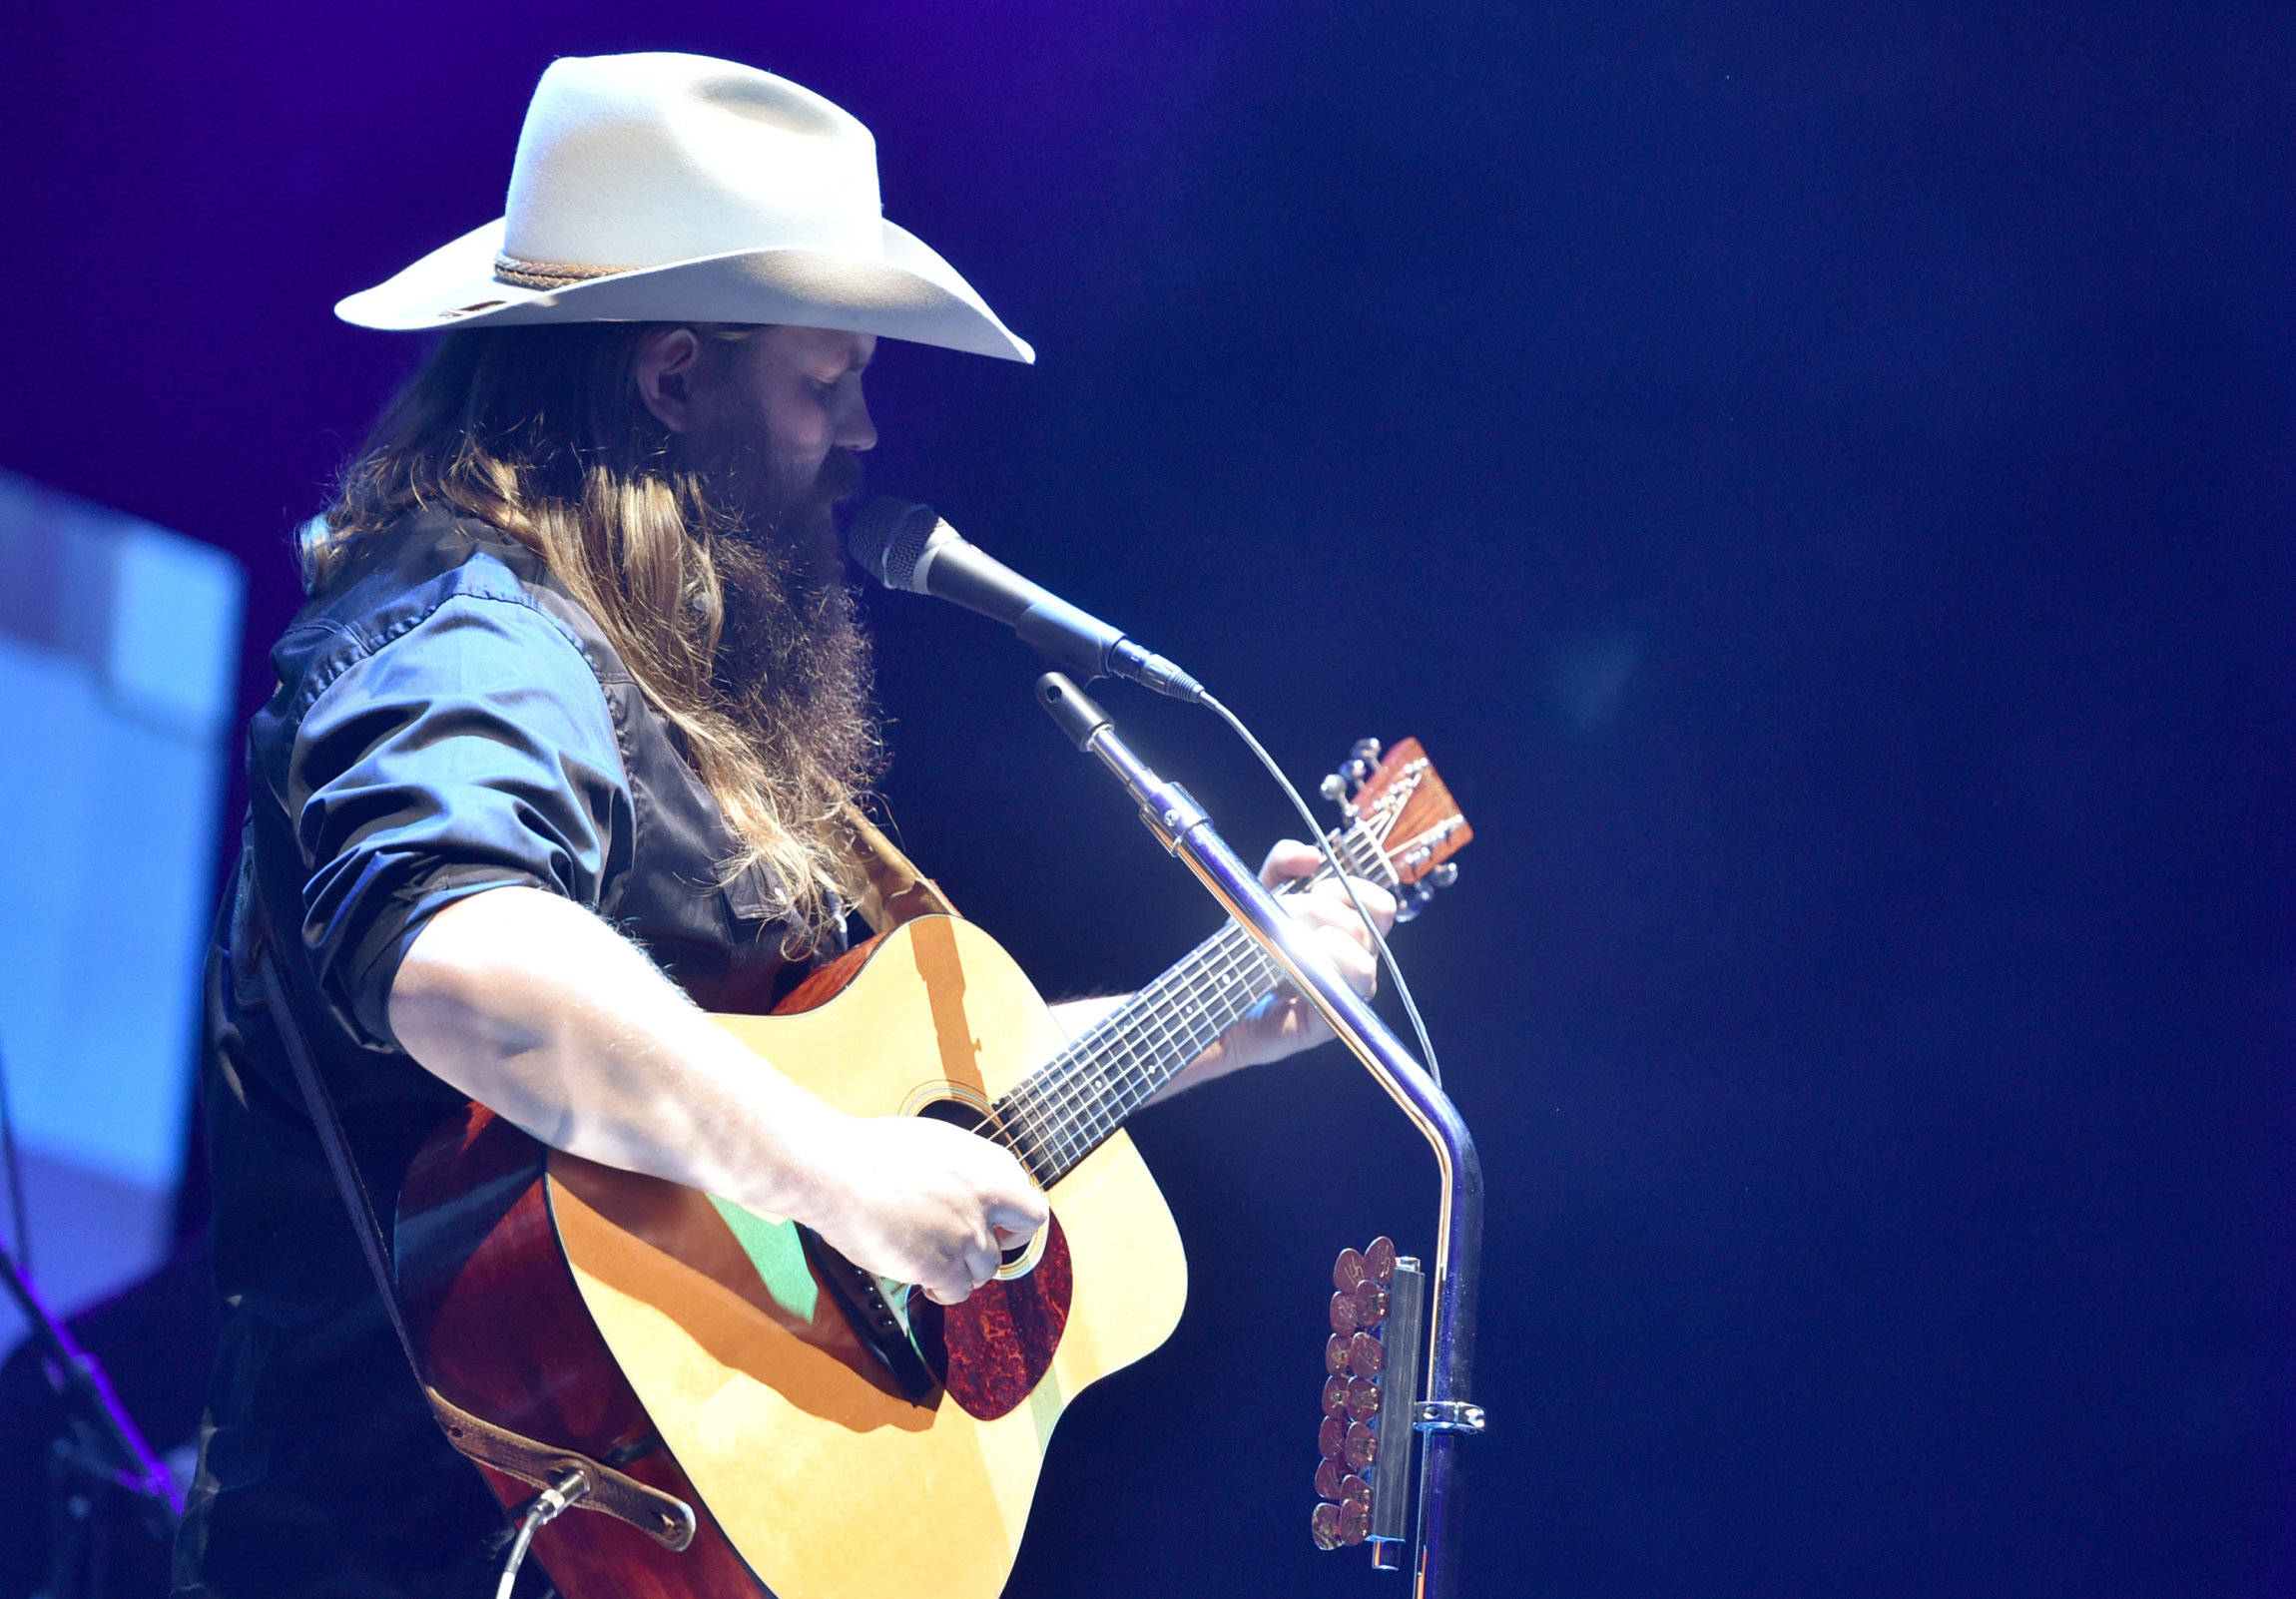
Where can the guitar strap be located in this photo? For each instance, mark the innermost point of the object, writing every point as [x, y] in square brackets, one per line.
[589, 1485]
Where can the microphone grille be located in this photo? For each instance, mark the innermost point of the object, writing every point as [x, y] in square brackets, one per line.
[886, 536]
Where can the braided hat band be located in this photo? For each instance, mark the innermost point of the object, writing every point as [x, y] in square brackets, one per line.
[547, 274]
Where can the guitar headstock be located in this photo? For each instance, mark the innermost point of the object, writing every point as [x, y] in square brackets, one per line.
[1401, 821]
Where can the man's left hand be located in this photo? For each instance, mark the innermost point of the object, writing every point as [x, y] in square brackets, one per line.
[1284, 1023]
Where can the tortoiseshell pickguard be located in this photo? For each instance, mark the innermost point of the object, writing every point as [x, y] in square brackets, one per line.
[991, 1351]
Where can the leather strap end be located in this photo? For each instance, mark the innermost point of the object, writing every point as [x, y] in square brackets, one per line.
[664, 1517]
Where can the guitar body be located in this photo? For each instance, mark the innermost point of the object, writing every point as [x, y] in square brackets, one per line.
[700, 1348]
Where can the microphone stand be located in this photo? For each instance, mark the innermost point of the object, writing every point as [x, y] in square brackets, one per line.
[105, 1452]
[1183, 828]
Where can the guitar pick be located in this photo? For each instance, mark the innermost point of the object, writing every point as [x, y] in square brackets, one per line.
[1348, 1272]
[1336, 1394]
[1380, 1261]
[1359, 1447]
[1360, 1397]
[1344, 1311]
[1368, 1307]
[1325, 1526]
[1338, 1351]
[1367, 1355]
[1331, 1480]
[1332, 1439]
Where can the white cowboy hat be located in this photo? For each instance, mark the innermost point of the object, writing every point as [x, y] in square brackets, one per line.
[672, 188]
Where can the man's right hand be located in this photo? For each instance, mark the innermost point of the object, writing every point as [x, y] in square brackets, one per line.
[922, 1202]
[534, 1006]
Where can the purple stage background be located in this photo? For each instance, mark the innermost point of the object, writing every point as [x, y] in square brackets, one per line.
[1816, 477]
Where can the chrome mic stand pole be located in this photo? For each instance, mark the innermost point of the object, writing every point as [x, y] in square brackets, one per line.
[1181, 825]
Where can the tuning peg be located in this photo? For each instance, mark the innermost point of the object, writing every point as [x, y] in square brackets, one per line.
[1443, 875]
[1362, 759]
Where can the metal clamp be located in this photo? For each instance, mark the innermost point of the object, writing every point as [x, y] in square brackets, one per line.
[1447, 1415]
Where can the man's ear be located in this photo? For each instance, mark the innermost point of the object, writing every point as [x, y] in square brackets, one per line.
[667, 358]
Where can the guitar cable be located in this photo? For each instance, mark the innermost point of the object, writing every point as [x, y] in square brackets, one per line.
[1332, 860]
[564, 1489]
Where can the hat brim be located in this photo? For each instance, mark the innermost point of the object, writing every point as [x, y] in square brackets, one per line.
[910, 294]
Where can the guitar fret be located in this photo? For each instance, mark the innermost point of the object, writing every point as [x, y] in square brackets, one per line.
[1069, 1106]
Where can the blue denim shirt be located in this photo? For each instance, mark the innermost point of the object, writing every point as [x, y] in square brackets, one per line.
[447, 721]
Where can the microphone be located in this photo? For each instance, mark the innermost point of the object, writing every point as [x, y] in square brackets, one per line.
[906, 546]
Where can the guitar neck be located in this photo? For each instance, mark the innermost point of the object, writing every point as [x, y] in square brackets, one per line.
[1065, 1109]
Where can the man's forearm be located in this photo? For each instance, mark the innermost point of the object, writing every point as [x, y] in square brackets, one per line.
[1079, 1016]
[533, 1006]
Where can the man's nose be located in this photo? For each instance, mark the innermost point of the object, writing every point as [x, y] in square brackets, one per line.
[854, 429]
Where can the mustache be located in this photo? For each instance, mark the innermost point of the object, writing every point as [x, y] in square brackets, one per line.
[840, 479]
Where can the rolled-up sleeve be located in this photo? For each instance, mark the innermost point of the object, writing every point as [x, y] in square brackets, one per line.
[474, 751]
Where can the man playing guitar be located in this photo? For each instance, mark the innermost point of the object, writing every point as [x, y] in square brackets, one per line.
[563, 755]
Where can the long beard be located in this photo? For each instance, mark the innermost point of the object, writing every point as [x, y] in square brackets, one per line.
[792, 662]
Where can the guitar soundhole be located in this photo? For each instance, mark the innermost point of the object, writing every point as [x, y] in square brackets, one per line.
[992, 1351]
[959, 1113]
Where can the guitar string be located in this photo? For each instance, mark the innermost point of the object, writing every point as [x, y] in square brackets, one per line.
[1058, 1097]
[1150, 1038]
[1244, 976]
[1212, 976]
[1084, 1103]
[1069, 1106]
[1183, 1024]
[1131, 1045]
[1087, 1101]
[1135, 1056]
[1241, 977]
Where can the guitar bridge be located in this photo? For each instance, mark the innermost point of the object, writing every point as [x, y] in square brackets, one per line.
[872, 1319]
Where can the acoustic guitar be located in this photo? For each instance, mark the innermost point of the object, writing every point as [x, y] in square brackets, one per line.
[832, 1433]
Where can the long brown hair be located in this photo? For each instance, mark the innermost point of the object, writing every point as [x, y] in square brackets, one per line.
[540, 432]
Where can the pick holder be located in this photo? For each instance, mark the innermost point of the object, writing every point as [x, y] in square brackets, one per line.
[1379, 1306]
[1443, 1416]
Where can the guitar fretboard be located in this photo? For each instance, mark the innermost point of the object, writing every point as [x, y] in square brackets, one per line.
[1064, 1110]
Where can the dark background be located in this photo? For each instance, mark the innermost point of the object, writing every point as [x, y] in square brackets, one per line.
[1816, 477]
